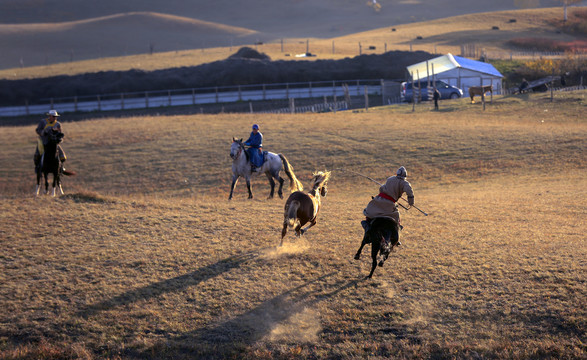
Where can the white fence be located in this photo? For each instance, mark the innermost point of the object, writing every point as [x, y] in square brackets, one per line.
[197, 96]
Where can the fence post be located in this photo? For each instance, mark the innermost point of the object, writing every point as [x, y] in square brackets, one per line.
[292, 106]
[99, 104]
[310, 89]
[551, 86]
[146, 99]
[193, 96]
[26, 105]
[264, 94]
[216, 94]
[366, 99]
[122, 101]
[169, 97]
[240, 98]
[413, 92]
[75, 103]
[251, 106]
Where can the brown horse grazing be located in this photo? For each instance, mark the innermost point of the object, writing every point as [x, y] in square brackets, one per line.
[479, 90]
[383, 235]
[301, 208]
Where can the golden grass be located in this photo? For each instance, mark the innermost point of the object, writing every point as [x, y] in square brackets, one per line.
[441, 36]
[145, 258]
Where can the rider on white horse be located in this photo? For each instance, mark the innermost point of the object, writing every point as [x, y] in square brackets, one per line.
[255, 150]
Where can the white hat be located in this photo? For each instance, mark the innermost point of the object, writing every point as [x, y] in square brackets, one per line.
[402, 173]
[53, 113]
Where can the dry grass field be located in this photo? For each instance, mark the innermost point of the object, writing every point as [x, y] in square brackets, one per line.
[438, 36]
[145, 258]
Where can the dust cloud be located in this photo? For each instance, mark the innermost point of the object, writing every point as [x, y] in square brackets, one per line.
[289, 247]
[300, 327]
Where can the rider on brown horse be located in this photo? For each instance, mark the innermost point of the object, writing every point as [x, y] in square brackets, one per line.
[43, 129]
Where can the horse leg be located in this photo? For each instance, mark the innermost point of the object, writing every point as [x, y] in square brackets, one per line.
[54, 183]
[375, 246]
[297, 229]
[59, 184]
[312, 223]
[358, 254]
[234, 181]
[283, 232]
[281, 181]
[272, 183]
[46, 176]
[38, 183]
[249, 187]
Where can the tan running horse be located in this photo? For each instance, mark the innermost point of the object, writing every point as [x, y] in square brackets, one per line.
[301, 208]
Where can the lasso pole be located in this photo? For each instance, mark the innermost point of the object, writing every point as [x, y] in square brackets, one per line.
[378, 183]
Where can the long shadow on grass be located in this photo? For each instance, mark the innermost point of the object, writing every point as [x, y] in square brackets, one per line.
[229, 338]
[170, 285]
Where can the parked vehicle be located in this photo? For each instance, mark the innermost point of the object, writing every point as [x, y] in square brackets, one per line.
[446, 91]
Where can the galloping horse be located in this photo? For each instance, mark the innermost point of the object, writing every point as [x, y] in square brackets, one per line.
[301, 208]
[383, 235]
[50, 164]
[479, 90]
[271, 167]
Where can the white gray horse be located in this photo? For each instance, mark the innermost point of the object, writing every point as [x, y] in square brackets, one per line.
[241, 166]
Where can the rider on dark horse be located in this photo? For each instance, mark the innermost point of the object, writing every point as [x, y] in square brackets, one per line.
[255, 150]
[383, 205]
[43, 130]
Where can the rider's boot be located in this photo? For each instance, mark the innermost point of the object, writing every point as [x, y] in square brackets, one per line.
[253, 168]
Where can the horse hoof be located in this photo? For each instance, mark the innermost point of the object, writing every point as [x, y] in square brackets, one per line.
[380, 263]
[357, 257]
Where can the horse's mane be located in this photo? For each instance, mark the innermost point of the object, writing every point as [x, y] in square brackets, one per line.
[319, 179]
[240, 143]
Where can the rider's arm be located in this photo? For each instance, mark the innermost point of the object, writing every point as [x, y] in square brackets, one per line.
[409, 192]
[40, 128]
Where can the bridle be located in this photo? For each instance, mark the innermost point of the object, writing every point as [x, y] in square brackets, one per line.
[240, 150]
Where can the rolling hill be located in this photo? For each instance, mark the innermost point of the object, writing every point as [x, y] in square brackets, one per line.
[128, 33]
[46, 32]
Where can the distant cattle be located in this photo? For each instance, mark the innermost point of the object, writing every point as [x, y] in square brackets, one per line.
[479, 90]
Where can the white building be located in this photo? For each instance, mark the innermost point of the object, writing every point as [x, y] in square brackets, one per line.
[457, 71]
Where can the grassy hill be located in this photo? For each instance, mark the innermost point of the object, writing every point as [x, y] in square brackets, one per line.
[145, 258]
[438, 36]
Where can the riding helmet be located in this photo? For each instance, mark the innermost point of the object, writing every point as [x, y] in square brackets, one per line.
[255, 127]
[402, 173]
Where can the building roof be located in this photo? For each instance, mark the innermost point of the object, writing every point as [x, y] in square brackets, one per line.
[449, 62]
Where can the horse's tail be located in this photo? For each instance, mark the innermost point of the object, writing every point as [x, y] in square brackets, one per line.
[69, 173]
[292, 213]
[294, 183]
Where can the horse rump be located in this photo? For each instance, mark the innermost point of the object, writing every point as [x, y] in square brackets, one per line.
[292, 213]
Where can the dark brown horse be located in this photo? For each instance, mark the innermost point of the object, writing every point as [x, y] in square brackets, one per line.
[50, 164]
[301, 208]
[383, 235]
